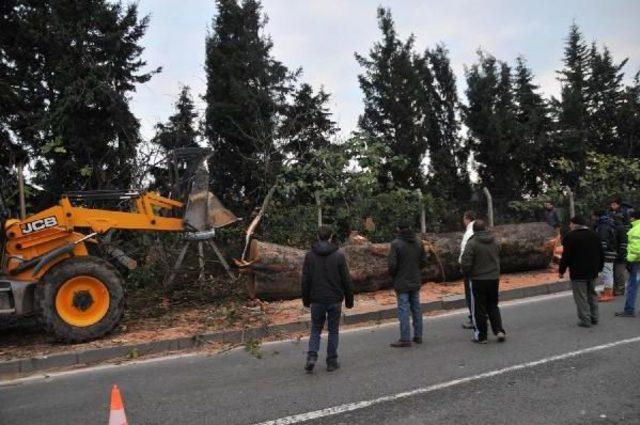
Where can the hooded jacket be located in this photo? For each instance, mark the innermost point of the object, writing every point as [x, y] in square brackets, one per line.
[481, 257]
[325, 276]
[582, 253]
[607, 231]
[406, 258]
[633, 253]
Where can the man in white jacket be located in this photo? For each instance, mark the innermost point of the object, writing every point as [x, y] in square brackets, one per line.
[468, 218]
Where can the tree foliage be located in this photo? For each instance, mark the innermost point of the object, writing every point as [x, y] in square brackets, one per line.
[67, 68]
[246, 95]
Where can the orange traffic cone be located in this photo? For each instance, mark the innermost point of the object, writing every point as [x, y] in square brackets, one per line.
[116, 415]
[606, 295]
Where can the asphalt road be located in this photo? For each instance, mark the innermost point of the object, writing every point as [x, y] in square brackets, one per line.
[594, 378]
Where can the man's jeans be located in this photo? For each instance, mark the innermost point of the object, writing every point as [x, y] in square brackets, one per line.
[632, 289]
[409, 304]
[320, 313]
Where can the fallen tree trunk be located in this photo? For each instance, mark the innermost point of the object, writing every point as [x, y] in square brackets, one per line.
[276, 269]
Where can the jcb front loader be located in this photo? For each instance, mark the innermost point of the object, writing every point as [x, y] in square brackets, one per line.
[46, 268]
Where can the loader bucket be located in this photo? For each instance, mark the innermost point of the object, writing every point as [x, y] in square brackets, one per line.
[204, 210]
[218, 216]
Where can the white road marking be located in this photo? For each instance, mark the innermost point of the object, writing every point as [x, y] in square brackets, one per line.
[48, 376]
[350, 407]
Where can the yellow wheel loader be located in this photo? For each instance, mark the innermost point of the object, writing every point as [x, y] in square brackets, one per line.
[46, 268]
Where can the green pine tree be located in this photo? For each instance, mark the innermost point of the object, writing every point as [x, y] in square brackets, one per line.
[179, 131]
[572, 132]
[70, 67]
[490, 115]
[246, 94]
[307, 125]
[533, 130]
[604, 94]
[392, 113]
[448, 175]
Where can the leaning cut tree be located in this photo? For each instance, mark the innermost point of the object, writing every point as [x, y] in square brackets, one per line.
[275, 269]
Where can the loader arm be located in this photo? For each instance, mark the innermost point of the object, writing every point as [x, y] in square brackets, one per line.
[58, 226]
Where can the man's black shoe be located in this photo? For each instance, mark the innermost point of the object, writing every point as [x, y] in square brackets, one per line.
[401, 344]
[479, 341]
[584, 325]
[332, 365]
[625, 314]
[501, 337]
[417, 340]
[594, 322]
[468, 325]
[311, 362]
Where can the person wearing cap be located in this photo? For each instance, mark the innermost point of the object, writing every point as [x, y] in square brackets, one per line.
[583, 255]
[406, 258]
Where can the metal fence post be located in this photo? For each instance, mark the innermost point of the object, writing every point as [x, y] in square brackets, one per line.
[319, 204]
[423, 215]
[489, 206]
[572, 204]
[23, 208]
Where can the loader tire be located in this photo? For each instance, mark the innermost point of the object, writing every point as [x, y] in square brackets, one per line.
[81, 298]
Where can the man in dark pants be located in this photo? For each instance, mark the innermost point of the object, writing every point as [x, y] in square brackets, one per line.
[467, 219]
[481, 265]
[406, 257]
[584, 257]
[325, 283]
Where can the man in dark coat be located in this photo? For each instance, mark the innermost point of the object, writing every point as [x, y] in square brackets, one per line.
[481, 265]
[406, 258]
[325, 284]
[584, 257]
[605, 228]
[551, 216]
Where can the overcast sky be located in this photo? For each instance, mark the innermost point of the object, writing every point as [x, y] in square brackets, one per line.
[321, 36]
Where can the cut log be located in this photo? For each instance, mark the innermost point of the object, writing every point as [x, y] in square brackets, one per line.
[276, 269]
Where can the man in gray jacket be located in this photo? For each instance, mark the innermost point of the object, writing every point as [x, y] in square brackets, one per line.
[481, 265]
[406, 258]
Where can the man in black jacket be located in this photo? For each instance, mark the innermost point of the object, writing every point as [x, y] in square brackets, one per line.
[584, 257]
[605, 228]
[325, 283]
[406, 258]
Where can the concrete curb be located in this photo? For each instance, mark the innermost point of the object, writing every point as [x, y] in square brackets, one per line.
[17, 367]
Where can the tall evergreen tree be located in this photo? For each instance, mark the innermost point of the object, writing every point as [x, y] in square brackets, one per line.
[392, 112]
[571, 113]
[629, 120]
[307, 124]
[604, 97]
[533, 129]
[246, 93]
[490, 116]
[448, 176]
[70, 66]
[179, 131]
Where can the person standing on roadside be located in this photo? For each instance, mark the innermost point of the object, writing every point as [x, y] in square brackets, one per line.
[584, 257]
[606, 230]
[325, 284]
[481, 266]
[406, 258]
[633, 258]
[620, 272]
[551, 216]
[467, 219]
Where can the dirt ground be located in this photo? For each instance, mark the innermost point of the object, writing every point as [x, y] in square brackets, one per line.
[26, 339]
